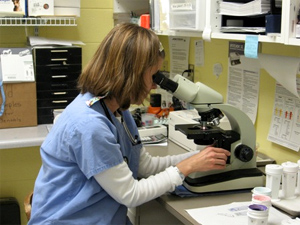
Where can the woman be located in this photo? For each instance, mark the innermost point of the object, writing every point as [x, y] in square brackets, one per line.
[92, 157]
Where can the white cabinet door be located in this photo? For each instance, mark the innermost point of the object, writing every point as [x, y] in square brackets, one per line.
[291, 12]
[213, 21]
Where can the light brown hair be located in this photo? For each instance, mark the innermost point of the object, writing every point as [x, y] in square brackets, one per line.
[118, 66]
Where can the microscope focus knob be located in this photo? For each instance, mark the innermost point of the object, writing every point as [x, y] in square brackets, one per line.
[244, 153]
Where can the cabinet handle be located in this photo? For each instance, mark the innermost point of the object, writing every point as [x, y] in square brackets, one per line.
[59, 50]
[59, 76]
[60, 93]
[59, 59]
[59, 85]
[60, 101]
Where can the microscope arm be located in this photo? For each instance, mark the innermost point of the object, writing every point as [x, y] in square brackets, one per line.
[203, 98]
[241, 171]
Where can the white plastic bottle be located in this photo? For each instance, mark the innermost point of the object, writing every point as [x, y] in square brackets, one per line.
[289, 177]
[274, 174]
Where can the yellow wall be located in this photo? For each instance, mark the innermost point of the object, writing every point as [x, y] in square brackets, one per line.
[19, 167]
[216, 51]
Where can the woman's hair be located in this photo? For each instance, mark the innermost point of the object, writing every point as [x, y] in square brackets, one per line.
[119, 64]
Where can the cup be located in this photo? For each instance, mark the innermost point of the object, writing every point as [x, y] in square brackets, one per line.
[257, 214]
[274, 174]
[262, 200]
[262, 191]
[289, 177]
[145, 21]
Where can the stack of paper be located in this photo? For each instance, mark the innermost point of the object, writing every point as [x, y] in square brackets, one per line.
[42, 41]
[255, 7]
[234, 213]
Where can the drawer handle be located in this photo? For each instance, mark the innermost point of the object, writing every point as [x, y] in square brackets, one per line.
[60, 93]
[60, 101]
[59, 59]
[59, 50]
[59, 85]
[59, 76]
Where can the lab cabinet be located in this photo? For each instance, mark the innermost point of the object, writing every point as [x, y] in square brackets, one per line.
[57, 70]
[287, 36]
[207, 22]
[215, 26]
[289, 12]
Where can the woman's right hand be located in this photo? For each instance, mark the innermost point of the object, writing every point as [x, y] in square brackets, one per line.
[210, 158]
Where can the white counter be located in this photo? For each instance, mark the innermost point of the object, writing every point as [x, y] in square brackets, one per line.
[23, 136]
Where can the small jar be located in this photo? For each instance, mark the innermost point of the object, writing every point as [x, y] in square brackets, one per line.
[257, 214]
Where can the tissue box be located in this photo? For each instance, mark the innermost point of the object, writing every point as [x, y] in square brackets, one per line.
[67, 11]
[20, 108]
[40, 7]
[67, 3]
[67, 8]
[16, 65]
[8, 8]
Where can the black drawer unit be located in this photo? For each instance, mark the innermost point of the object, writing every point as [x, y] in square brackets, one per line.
[57, 70]
[58, 56]
[57, 73]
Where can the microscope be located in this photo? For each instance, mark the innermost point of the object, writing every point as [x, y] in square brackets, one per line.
[241, 171]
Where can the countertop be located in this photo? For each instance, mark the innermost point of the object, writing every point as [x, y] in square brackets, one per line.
[34, 136]
[23, 136]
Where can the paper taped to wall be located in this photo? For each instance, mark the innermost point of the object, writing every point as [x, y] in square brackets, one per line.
[285, 124]
[283, 69]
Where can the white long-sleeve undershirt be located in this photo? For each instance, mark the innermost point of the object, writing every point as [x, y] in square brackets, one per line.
[157, 173]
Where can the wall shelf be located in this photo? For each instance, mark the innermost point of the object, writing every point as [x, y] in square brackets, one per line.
[38, 21]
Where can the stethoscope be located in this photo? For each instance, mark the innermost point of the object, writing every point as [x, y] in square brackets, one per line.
[134, 140]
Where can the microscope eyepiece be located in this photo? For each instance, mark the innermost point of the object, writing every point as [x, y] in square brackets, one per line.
[164, 82]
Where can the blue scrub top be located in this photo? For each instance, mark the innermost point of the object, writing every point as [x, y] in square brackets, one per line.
[82, 143]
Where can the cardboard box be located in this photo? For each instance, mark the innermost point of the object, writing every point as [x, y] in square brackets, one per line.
[40, 7]
[66, 11]
[8, 8]
[67, 3]
[20, 107]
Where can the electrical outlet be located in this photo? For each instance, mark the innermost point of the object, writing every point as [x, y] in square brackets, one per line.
[165, 66]
[191, 74]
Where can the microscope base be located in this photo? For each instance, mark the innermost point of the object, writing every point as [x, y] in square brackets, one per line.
[231, 180]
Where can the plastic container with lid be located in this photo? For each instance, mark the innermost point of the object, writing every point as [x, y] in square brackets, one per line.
[289, 177]
[262, 200]
[257, 214]
[273, 179]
